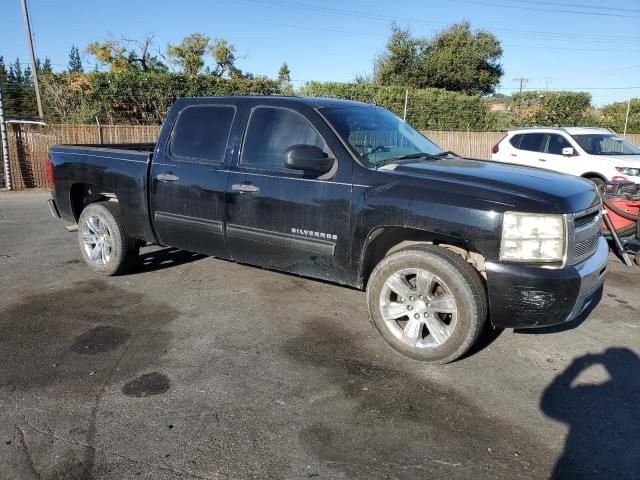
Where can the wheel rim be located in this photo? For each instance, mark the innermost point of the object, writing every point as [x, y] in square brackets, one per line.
[418, 308]
[97, 240]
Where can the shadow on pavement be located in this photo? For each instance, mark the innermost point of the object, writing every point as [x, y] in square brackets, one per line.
[603, 419]
[165, 258]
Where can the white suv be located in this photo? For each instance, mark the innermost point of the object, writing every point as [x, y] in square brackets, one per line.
[594, 153]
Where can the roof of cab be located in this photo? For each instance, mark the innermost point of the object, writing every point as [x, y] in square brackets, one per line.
[314, 102]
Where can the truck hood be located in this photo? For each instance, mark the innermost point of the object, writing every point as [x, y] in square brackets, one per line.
[502, 186]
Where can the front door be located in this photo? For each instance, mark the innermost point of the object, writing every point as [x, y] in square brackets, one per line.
[553, 159]
[281, 218]
[188, 182]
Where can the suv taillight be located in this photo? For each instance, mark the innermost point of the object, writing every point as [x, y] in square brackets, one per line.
[496, 148]
[50, 173]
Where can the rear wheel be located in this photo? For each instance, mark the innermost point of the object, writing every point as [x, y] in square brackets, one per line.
[104, 243]
[427, 303]
[599, 182]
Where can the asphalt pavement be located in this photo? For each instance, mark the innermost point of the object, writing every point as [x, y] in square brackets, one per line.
[193, 367]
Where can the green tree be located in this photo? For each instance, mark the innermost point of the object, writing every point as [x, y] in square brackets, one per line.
[614, 114]
[126, 54]
[401, 63]
[224, 56]
[189, 54]
[455, 59]
[284, 79]
[460, 60]
[75, 63]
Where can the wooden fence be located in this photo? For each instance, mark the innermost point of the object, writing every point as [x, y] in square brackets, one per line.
[29, 144]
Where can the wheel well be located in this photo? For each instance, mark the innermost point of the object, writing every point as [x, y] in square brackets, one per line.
[82, 194]
[387, 240]
[590, 175]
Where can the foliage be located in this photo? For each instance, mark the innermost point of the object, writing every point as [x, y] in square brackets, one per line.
[463, 61]
[127, 54]
[75, 63]
[284, 79]
[189, 54]
[402, 62]
[224, 56]
[430, 108]
[613, 116]
[544, 108]
[455, 59]
[134, 96]
[17, 87]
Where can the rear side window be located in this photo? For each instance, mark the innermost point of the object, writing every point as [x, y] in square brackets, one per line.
[532, 142]
[201, 133]
[515, 140]
[556, 143]
[271, 131]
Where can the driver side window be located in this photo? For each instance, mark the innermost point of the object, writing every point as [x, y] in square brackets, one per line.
[271, 131]
[556, 143]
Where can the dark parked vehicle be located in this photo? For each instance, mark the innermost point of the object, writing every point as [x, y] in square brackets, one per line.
[345, 192]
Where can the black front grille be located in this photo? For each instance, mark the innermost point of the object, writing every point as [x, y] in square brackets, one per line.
[586, 219]
[586, 246]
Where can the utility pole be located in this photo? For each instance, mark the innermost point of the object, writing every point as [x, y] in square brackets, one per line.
[523, 81]
[27, 31]
[5, 145]
[626, 118]
[406, 100]
[547, 81]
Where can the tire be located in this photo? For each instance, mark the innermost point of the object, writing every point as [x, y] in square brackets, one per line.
[104, 243]
[599, 182]
[443, 277]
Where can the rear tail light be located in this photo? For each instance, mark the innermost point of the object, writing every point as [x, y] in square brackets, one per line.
[496, 148]
[50, 173]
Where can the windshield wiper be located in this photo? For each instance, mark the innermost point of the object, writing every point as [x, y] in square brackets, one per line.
[410, 156]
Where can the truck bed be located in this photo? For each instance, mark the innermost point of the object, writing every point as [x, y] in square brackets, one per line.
[111, 170]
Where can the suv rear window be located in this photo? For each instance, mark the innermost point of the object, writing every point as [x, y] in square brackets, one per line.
[201, 133]
[515, 140]
[533, 142]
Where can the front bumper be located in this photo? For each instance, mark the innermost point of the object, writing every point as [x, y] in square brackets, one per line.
[523, 296]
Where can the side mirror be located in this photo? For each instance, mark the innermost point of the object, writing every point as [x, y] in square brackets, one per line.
[568, 151]
[308, 158]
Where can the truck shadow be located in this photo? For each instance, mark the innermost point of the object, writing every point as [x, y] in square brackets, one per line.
[603, 418]
[165, 258]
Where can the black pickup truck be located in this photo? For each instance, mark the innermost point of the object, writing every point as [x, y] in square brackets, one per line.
[349, 193]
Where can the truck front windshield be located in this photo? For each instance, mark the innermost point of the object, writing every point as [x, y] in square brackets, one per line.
[605, 144]
[376, 135]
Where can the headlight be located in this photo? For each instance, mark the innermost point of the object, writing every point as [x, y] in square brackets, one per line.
[531, 237]
[632, 172]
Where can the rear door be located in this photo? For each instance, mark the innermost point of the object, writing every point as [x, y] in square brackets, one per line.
[530, 149]
[281, 218]
[188, 181]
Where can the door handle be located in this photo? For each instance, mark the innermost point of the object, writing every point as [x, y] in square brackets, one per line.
[244, 188]
[542, 160]
[167, 177]
[514, 154]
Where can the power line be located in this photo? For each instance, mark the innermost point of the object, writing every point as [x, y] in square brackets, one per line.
[558, 10]
[578, 5]
[387, 19]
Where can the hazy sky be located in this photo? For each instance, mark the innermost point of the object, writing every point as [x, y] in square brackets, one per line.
[567, 44]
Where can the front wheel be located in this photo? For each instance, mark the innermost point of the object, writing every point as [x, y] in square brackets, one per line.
[427, 303]
[104, 243]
